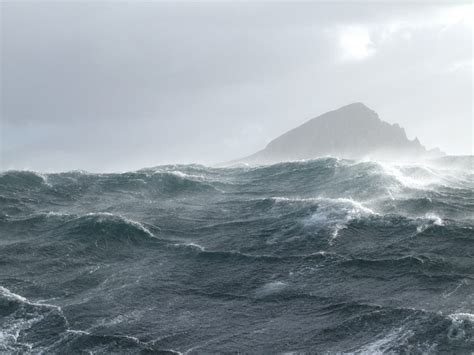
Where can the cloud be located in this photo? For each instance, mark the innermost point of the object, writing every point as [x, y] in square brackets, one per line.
[460, 65]
[356, 43]
[107, 85]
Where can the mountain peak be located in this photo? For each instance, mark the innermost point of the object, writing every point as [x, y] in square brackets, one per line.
[355, 106]
[358, 109]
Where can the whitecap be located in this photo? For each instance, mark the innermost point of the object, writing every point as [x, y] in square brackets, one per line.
[435, 219]
[335, 232]
[57, 214]
[177, 173]
[460, 317]
[271, 288]
[428, 221]
[332, 213]
[460, 322]
[191, 245]
[335, 214]
[421, 176]
[5, 292]
[337, 202]
[184, 175]
[102, 216]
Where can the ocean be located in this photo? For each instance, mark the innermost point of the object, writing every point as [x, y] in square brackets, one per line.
[326, 255]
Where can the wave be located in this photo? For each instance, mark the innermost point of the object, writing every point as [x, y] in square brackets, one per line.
[34, 327]
[325, 255]
[98, 233]
[105, 217]
[164, 183]
[21, 318]
[105, 222]
[75, 185]
[326, 177]
[22, 180]
[327, 213]
[230, 255]
[105, 232]
[429, 334]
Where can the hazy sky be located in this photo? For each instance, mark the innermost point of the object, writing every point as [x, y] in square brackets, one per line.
[103, 85]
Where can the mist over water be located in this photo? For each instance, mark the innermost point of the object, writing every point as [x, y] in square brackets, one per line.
[318, 255]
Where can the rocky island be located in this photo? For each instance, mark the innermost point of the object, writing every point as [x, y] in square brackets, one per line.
[353, 131]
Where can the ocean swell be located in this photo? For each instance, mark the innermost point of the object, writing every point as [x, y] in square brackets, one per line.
[320, 256]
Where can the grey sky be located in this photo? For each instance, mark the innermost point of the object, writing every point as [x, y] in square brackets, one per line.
[102, 85]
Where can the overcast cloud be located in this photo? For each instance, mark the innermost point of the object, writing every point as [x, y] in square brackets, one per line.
[102, 85]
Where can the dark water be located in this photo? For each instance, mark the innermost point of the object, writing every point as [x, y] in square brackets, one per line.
[325, 255]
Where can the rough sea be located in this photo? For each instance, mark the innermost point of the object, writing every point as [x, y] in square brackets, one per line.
[326, 255]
